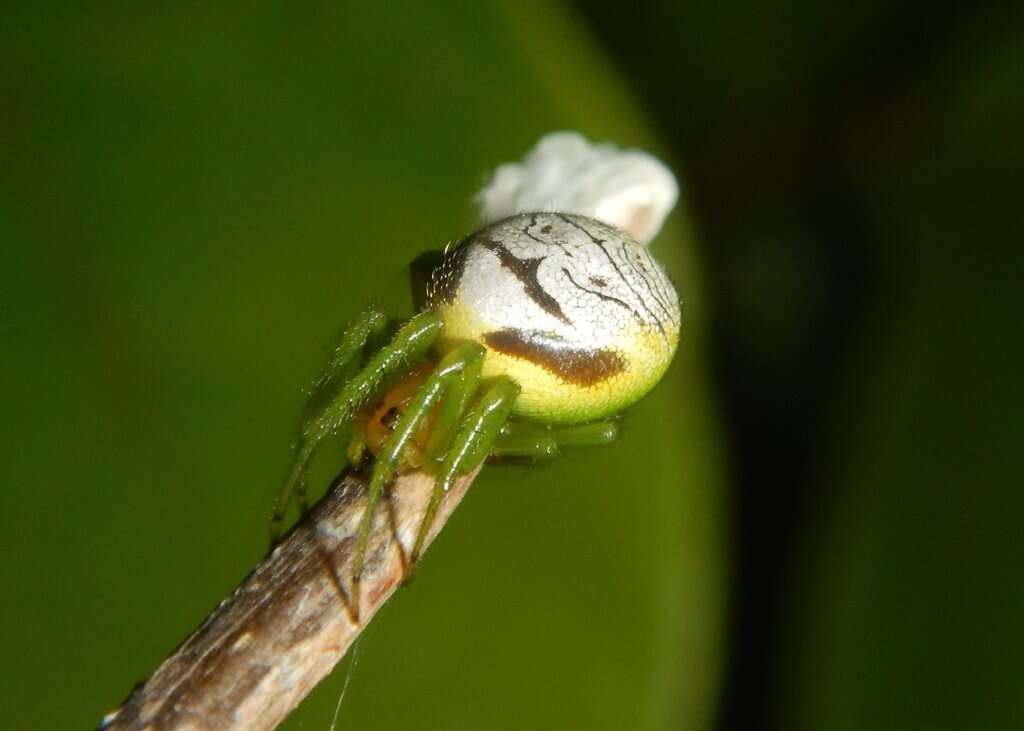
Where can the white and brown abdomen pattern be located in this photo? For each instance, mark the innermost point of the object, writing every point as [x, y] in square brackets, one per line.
[575, 311]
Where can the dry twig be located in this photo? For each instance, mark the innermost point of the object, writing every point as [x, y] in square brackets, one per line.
[282, 631]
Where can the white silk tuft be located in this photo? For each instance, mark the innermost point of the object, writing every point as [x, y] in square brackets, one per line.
[628, 189]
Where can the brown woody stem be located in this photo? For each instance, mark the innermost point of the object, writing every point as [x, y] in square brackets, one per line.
[266, 646]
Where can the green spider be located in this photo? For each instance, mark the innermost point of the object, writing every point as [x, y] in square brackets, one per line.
[543, 326]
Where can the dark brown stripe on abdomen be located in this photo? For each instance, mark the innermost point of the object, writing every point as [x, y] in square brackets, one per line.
[580, 366]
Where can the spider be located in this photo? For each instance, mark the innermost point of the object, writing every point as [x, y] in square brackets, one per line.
[537, 330]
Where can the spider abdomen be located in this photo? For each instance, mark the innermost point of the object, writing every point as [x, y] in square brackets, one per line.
[575, 311]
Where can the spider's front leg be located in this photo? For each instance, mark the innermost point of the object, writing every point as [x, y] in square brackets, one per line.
[344, 388]
[469, 447]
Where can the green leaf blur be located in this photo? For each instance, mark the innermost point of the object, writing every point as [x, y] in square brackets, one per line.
[196, 199]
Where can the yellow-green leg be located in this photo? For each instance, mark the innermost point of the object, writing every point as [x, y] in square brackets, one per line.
[471, 445]
[536, 442]
[461, 368]
[344, 387]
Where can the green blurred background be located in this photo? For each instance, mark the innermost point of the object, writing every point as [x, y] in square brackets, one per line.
[813, 523]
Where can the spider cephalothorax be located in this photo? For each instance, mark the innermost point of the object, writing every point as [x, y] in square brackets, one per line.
[541, 326]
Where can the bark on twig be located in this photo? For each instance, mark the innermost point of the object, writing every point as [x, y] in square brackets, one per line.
[268, 644]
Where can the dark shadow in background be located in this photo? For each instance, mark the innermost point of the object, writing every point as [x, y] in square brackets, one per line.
[774, 116]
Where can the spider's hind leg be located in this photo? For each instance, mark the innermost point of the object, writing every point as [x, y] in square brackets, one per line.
[344, 387]
[526, 442]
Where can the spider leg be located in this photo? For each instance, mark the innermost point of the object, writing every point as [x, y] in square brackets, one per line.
[344, 361]
[344, 364]
[535, 443]
[465, 359]
[333, 403]
[451, 411]
[471, 444]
